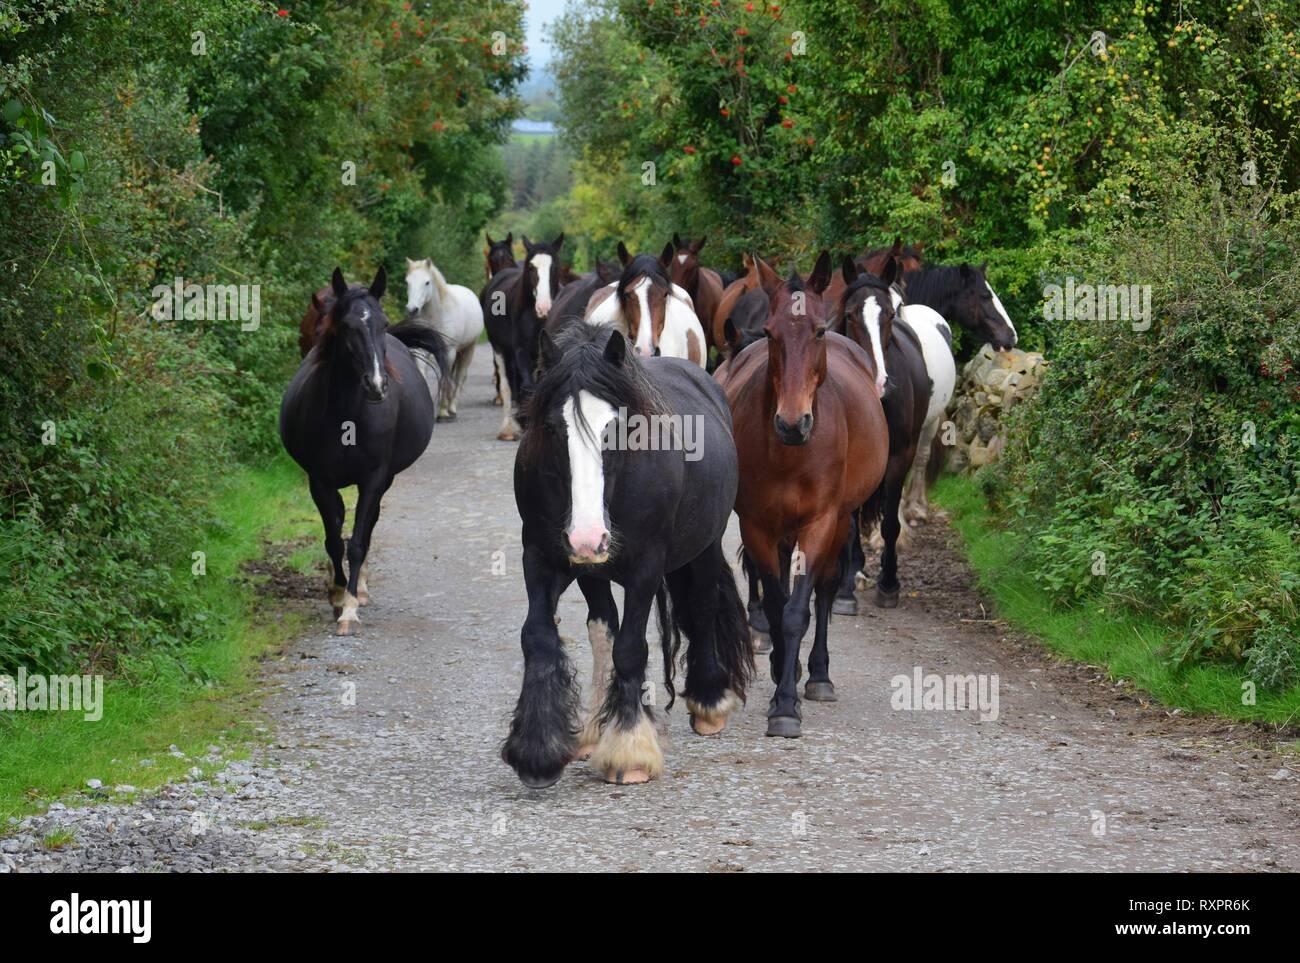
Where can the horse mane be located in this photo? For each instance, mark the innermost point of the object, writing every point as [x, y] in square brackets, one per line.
[439, 281]
[581, 366]
[643, 265]
[933, 283]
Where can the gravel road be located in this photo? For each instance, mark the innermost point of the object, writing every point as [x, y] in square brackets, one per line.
[382, 751]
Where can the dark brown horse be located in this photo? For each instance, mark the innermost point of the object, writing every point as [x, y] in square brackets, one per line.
[875, 262]
[499, 254]
[758, 276]
[813, 444]
[704, 285]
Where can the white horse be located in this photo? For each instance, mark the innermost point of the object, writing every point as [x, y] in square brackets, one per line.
[452, 310]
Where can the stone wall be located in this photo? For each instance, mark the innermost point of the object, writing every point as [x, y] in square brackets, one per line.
[991, 383]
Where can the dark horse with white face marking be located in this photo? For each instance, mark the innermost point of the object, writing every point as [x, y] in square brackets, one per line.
[516, 303]
[357, 412]
[963, 294]
[600, 507]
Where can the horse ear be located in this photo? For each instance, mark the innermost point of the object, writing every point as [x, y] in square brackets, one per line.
[730, 333]
[615, 348]
[409, 262]
[698, 245]
[510, 237]
[336, 281]
[677, 241]
[849, 269]
[767, 278]
[666, 256]
[821, 273]
[317, 304]
[984, 268]
[917, 248]
[890, 274]
[549, 352]
[380, 284]
[527, 245]
[489, 238]
[623, 256]
[558, 242]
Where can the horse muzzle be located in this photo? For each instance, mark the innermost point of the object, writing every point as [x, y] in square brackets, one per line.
[793, 434]
[588, 547]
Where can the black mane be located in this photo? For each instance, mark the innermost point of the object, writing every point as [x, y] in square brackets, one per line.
[581, 366]
[643, 265]
[934, 283]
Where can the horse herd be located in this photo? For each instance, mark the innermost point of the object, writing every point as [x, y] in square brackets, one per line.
[816, 426]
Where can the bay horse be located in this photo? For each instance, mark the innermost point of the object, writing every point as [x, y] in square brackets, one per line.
[454, 312]
[758, 276]
[866, 314]
[657, 315]
[812, 444]
[875, 262]
[963, 294]
[515, 303]
[600, 509]
[704, 285]
[357, 412]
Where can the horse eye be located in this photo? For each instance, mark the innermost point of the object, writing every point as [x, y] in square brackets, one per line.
[767, 334]
[821, 332]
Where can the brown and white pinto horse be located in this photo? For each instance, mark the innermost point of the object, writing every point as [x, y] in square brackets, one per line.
[812, 445]
[704, 285]
[657, 316]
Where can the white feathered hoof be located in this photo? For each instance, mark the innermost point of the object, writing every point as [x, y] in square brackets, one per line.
[507, 434]
[762, 641]
[628, 757]
[710, 720]
[349, 622]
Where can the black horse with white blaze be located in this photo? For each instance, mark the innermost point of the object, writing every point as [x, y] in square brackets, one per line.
[358, 412]
[600, 507]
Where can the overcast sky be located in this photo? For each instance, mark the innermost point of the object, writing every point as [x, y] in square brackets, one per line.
[539, 13]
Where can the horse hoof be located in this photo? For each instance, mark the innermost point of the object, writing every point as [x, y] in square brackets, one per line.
[758, 622]
[886, 600]
[507, 436]
[627, 777]
[707, 727]
[497, 402]
[443, 418]
[820, 692]
[786, 727]
[348, 627]
[762, 641]
[540, 782]
[363, 598]
[845, 605]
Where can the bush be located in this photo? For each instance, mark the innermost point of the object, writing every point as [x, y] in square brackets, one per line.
[1175, 451]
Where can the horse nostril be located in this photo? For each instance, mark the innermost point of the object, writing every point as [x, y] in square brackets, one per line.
[805, 423]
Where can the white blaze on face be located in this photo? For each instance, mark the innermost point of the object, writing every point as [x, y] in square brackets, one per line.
[871, 321]
[542, 294]
[376, 374]
[587, 533]
[645, 330]
[681, 259]
[1002, 311]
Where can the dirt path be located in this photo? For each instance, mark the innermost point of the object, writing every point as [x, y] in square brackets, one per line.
[409, 777]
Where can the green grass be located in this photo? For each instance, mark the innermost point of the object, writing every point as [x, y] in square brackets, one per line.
[47, 756]
[1128, 646]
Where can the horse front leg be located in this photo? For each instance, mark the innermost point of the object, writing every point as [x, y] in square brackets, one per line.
[541, 741]
[916, 497]
[369, 494]
[602, 627]
[719, 654]
[460, 371]
[758, 624]
[330, 505]
[628, 752]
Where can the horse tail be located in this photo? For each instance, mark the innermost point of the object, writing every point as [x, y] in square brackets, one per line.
[670, 637]
[733, 649]
[938, 455]
[872, 510]
[731, 636]
[426, 339]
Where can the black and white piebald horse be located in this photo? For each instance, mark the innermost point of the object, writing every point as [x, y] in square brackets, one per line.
[600, 508]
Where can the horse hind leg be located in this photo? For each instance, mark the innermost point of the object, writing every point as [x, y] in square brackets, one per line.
[330, 505]
[719, 654]
[447, 387]
[459, 372]
[497, 377]
[367, 515]
[915, 506]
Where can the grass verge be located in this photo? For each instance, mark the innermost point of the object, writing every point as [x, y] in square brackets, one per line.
[191, 701]
[1127, 645]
